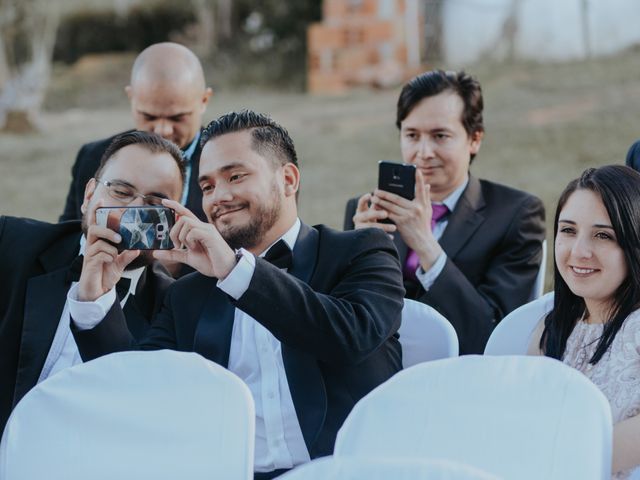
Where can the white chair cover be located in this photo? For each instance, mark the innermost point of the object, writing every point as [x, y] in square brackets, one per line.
[425, 334]
[133, 415]
[516, 417]
[538, 287]
[512, 335]
[360, 468]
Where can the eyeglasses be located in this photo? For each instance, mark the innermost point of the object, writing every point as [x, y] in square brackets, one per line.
[126, 193]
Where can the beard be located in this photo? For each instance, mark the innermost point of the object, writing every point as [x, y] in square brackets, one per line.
[250, 234]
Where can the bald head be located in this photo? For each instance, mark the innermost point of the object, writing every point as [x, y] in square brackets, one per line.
[168, 63]
[168, 93]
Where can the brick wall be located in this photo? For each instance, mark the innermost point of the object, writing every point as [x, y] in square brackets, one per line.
[363, 42]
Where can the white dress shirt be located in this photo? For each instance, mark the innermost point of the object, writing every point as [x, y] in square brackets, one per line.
[256, 357]
[428, 278]
[63, 352]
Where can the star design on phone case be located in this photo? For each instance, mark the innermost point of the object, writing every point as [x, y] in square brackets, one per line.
[138, 230]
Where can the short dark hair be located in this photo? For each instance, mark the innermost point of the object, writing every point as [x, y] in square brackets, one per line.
[152, 142]
[267, 136]
[434, 82]
[619, 188]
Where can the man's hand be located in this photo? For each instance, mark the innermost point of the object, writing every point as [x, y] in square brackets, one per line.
[369, 217]
[197, 244]
[412, 218]
[103, 265]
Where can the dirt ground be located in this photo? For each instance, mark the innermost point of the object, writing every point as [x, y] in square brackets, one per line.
[544, 125]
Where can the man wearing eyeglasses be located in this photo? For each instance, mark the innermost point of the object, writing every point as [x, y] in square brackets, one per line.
[168, 96]
[306, 316]
[40, 262]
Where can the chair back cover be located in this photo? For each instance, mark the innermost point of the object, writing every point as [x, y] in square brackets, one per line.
[143, 415]
[512, 335]
[362, 468]
[538, 287]
[425, 334]
[512, 416]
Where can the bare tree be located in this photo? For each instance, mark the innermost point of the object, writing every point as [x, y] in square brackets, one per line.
[214, 24]
[27, 37]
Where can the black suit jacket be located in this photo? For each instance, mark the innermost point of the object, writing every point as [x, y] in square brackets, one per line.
[335, 313]
[87, 163]
[493, 243]
[34, 260]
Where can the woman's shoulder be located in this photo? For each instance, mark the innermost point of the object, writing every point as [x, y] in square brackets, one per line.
[634, 317]
[631, 326]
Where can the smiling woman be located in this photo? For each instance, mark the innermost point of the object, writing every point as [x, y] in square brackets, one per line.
[595, 322]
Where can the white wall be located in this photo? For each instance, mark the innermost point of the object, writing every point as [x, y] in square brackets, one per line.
[547, 30]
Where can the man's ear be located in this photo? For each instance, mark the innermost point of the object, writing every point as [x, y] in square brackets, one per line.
[89, 188]
[291, 176]
[206, 96]
[476, 141]
[129, 91]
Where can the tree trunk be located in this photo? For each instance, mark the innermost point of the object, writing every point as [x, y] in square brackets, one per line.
[28, 32]
[207, 44]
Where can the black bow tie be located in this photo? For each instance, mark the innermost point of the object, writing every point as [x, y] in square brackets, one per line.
[280, 255]
[122, 287]
[75, 269]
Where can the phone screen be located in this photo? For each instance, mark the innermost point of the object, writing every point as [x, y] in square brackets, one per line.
[141, 227]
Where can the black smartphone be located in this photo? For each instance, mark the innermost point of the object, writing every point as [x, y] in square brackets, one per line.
[398, 178]
[141, 228]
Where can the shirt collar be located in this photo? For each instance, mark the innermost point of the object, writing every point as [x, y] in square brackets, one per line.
[187, 153]
[289, 237]
[452, 199]
[133, 275]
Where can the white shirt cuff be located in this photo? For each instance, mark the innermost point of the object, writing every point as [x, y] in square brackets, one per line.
[86, 315]
[238, 280]
[428, 278]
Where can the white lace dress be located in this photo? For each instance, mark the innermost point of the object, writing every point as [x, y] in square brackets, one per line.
[617, 374]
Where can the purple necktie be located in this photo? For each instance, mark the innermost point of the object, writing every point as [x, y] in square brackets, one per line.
[411, 263]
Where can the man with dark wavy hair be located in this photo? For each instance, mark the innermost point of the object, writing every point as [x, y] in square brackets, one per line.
[470, 248]
[40, 262]
[306, 316]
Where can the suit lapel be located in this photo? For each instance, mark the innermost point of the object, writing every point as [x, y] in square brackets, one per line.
[465, 219]
[212, 338]
[303, 375]
[45, 297]
[139, 308]
[305, 252]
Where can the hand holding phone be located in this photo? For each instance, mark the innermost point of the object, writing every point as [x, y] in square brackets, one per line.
[397, 178]
[141, 227]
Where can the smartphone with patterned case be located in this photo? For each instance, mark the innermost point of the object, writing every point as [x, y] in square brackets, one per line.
[141, 227]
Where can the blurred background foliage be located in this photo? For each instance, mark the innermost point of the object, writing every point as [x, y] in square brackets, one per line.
[262, 44]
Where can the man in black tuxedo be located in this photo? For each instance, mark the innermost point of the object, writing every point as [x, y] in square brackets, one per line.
[39, 262]
[470, 248]
[168, 96]
[310, 327]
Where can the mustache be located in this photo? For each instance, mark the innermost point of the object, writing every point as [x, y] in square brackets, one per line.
[219, 210]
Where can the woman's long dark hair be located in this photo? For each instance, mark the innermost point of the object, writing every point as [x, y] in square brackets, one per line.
[619, 188]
